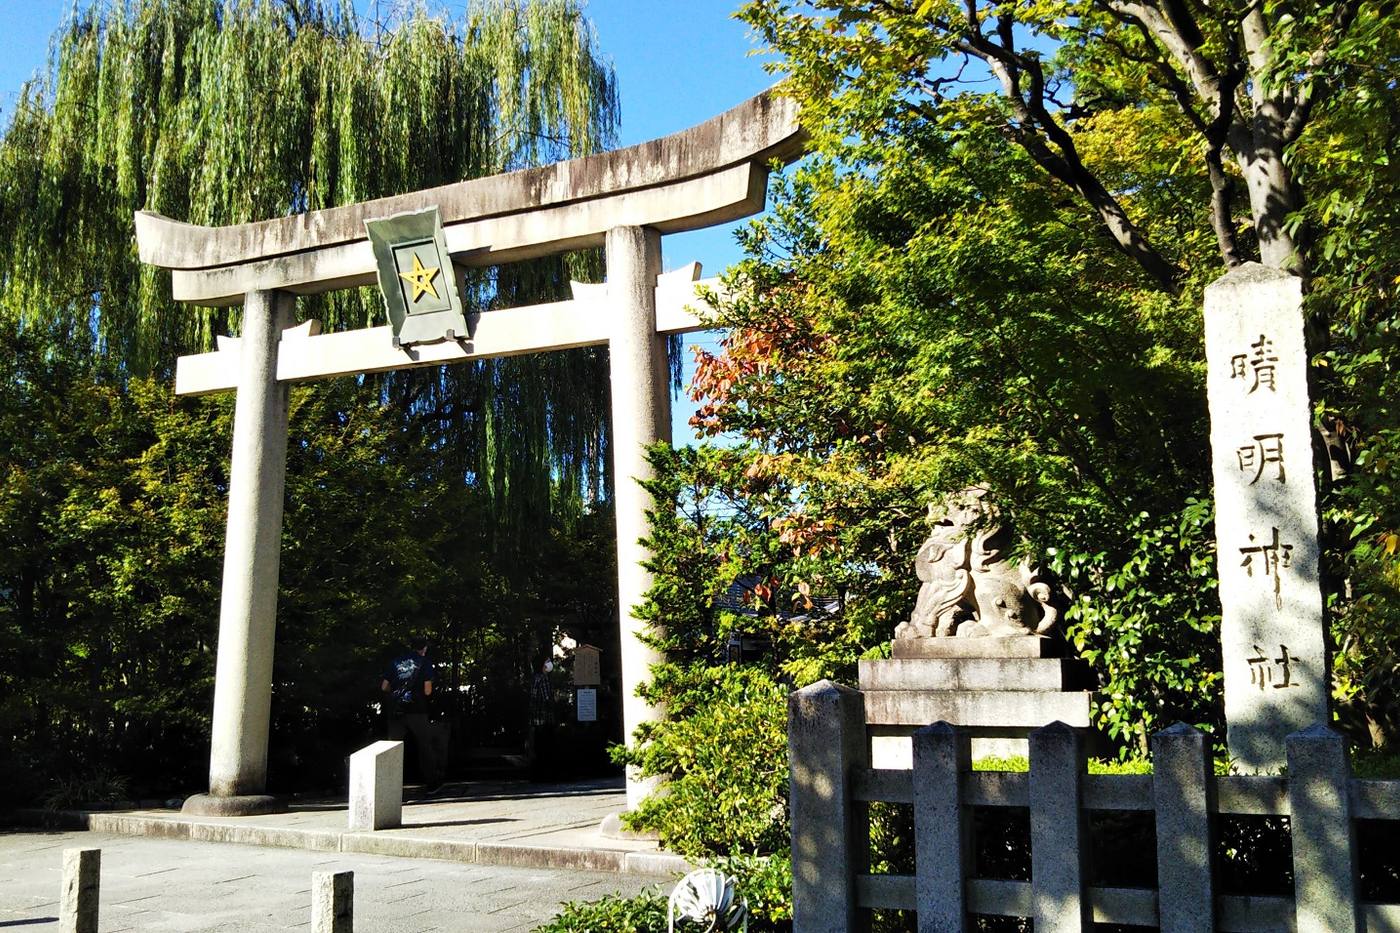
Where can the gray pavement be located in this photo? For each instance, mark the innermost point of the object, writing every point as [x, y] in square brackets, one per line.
[183, 886]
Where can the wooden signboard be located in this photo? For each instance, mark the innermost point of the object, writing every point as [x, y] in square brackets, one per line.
[586, 668]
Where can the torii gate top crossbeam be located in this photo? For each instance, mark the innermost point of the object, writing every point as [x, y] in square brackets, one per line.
[712, 173]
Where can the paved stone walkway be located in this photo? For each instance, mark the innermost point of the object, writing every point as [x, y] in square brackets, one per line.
[183, 886]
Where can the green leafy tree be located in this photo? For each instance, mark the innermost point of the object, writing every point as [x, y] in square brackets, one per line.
[228, 112]
[1238, 84]
[990, 271]
[947, 319]
[1151, 146]
[111, 509]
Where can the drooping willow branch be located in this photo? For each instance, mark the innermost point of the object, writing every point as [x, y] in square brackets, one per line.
[227, 111]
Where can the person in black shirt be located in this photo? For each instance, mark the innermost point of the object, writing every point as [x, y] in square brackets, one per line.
[407, 684]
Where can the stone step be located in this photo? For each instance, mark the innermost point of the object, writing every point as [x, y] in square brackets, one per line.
[1013, 674]
[402, 843]
[1021, 646]
[998, 709]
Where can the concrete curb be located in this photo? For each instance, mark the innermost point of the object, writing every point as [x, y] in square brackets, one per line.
[397, 843]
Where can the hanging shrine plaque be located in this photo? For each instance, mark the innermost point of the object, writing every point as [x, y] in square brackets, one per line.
[417, 279]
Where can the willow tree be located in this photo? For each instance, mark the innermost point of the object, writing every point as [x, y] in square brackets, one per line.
[227, 111]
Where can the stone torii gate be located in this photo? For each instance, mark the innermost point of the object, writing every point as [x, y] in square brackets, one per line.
[624, 200]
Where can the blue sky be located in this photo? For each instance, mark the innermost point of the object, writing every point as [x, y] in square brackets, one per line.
[678, 62]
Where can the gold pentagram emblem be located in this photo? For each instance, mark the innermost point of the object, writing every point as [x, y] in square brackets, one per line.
[421, 278]
[417, 278]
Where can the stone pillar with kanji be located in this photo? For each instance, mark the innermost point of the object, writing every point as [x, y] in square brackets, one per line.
[1272, 630]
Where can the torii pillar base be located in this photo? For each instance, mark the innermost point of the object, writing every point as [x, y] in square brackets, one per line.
[242, 805]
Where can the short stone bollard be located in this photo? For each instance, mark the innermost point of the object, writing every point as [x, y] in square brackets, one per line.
[332, 902]
[82, 871]
[376, 786]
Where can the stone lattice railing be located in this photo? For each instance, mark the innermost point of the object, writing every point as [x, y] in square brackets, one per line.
[832, 784]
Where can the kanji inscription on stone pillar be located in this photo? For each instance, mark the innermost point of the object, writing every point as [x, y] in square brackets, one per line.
[1272, 628]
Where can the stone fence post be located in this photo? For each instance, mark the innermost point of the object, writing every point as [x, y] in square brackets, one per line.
[1324, 840]
[1058, 836]
[830, 830]
[78, 901]
[1182, 786]
[942, 827]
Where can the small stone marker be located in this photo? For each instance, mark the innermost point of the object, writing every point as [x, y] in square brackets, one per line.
[78, 902]
[376, 786]
[1271, 630]
[332, 902]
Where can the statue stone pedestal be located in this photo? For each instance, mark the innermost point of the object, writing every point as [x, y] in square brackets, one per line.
[997, 688]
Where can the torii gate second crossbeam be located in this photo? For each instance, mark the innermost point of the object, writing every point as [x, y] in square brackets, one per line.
[624, 200]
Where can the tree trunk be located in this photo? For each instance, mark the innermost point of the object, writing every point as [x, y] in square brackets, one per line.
[1259, 145]
[1272, 192]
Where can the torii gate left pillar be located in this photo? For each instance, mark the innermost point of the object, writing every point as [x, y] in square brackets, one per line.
[623, 200]
[252, 562]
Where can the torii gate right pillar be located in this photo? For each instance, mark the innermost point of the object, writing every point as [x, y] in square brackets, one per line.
[641, 410]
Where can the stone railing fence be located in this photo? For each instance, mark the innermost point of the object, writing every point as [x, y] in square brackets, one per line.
[833, 784]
